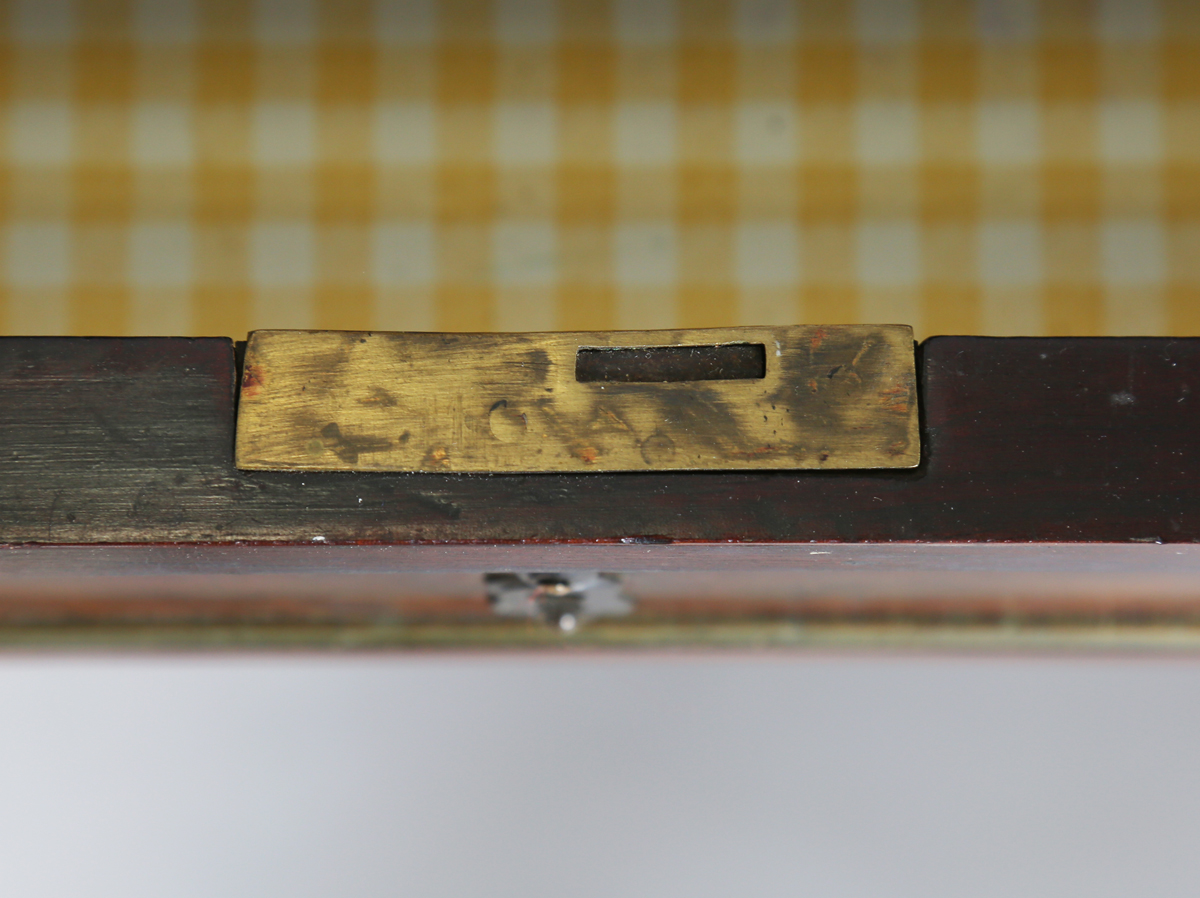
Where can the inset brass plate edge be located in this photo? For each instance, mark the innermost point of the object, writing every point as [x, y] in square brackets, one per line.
[832, 398]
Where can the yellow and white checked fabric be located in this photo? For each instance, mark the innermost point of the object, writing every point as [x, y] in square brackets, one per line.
[210, 166]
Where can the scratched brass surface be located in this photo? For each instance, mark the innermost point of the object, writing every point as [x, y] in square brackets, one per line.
[830, 398]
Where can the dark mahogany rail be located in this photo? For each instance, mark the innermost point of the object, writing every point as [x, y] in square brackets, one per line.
[1054, 471]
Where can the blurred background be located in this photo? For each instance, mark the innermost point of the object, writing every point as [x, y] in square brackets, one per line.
[204, 167]
[589, 777]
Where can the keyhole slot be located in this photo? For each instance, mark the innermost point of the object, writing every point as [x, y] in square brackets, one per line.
[670, 364]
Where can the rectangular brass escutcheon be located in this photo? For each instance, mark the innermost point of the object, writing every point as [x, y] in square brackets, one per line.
[723, 399]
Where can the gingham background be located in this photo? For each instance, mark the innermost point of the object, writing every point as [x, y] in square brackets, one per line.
[1000, 167]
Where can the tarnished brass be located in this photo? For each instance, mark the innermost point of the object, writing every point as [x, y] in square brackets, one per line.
[718, 399]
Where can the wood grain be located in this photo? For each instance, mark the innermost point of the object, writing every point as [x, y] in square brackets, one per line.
[1067, 440]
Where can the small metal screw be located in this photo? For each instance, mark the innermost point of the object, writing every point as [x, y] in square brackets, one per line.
[564, 601]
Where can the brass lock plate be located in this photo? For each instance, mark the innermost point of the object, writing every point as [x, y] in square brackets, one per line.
[723, 399]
